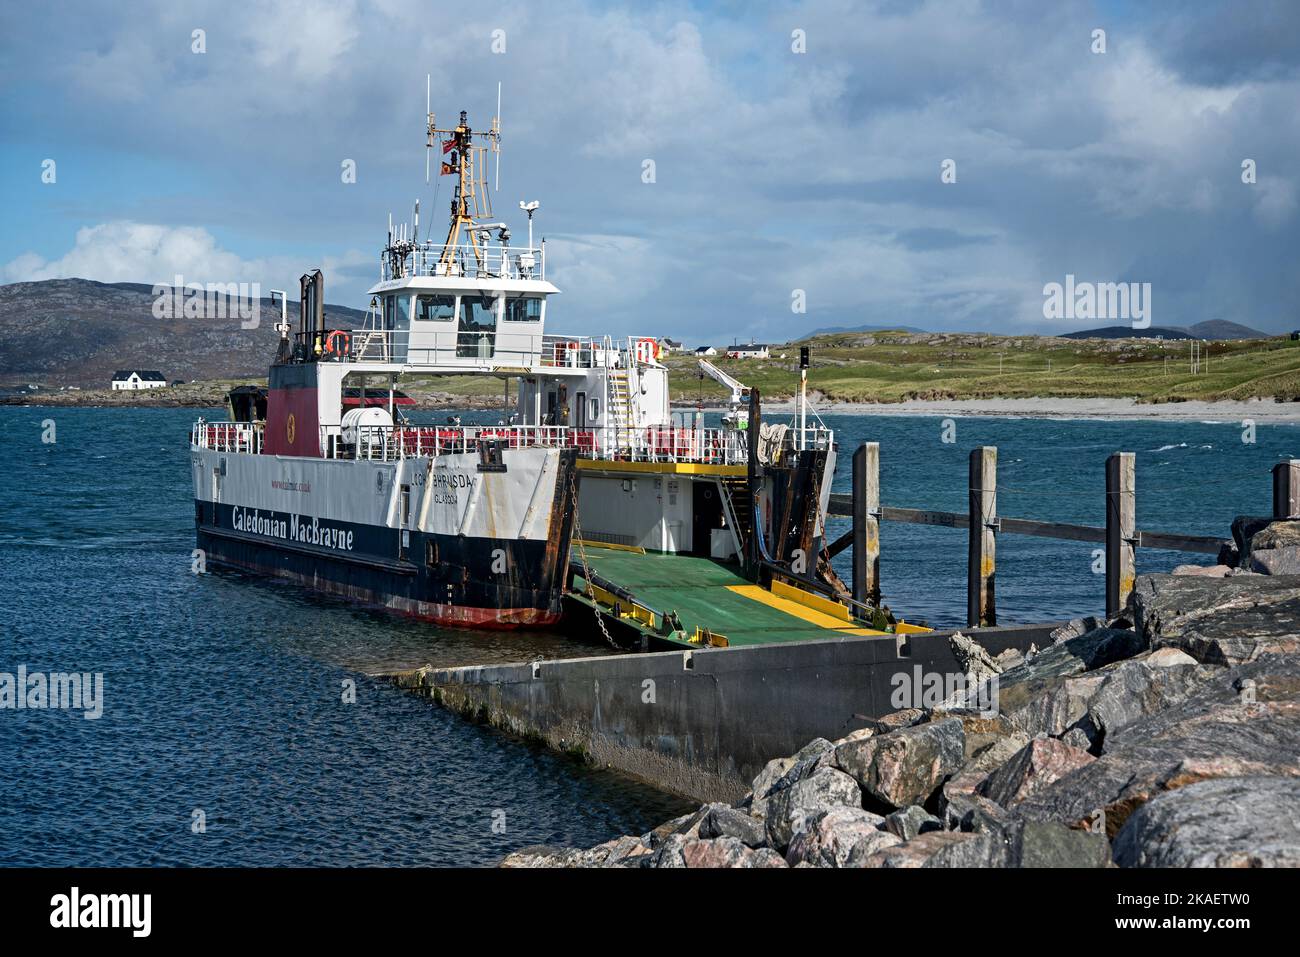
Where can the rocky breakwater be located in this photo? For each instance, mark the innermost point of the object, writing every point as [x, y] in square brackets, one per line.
[1168, 737]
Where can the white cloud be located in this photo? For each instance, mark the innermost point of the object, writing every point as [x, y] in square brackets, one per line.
[775, 169]
[124, 251]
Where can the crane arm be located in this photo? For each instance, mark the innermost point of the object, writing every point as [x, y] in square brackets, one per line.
[738, 389]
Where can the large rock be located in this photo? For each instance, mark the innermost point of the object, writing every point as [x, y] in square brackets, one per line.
[1204, 571]
[1280, 534]
[907, 766]
[979, 730]
[825, 789]
[973, 773]
[1232, 822]
[1074, 656]
[723, 821]
[940, 849]
[1038, 764]
[1134, 689]
[1074, 628]
[1220, 622]
[1047, 844]
[1057, 709]
[910, 821]
[726, 852]
[973, 658]
[972, 812]
[871, 844]
[1244, 528]
[895, 720]
[625, 851]
[1276, 561]
[541, 855]
[826, 838]
[1215, 733]
[781, 773]
[772, 772]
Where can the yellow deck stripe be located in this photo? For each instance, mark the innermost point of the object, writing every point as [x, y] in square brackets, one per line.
[660, 468]
[795, 610]
[614, 545]
[817, 602]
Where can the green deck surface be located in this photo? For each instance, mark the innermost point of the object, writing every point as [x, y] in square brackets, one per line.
[696, 588]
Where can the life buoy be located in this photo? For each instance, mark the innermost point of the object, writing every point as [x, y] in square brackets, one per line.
[342, 334]
[647, 350]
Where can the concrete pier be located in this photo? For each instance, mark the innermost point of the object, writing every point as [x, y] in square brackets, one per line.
[702, 723]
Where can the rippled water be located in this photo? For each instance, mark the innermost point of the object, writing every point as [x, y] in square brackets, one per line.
[223, 694]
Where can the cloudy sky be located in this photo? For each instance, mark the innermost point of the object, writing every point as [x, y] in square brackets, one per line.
[775, 170]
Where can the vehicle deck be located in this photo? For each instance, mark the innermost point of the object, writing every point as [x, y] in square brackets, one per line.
[709, 594]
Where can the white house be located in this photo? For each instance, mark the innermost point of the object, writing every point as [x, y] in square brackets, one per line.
[667, 345]
[755, 350]
[137, 379]
[705, 351]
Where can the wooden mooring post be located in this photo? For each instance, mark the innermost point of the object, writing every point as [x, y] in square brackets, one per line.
[1286, 489]
[981, 607]
[1121, 531]
[866, 523]
[1119, 535]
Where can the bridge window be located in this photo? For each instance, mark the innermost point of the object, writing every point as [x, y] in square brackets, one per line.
[435, 308]
[523, 309]
[477, 330]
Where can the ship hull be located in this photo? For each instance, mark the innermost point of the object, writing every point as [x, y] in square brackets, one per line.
[434, 539]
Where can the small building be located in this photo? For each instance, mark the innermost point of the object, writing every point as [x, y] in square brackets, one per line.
[705, 351]
[137, 379]
[667, 345]
[754, 350]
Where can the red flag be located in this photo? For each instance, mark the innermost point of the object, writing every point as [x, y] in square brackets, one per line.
[448, 170]
[449, 144]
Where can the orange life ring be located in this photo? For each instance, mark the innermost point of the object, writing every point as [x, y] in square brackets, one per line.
[338, 334]
[647, 347]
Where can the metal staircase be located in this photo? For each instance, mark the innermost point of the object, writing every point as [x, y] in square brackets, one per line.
[738, 509]
[618, 404]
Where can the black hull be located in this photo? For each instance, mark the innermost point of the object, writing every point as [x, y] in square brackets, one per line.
[449, 579]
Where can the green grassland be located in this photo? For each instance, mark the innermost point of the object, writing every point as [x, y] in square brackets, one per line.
[892, 367]
[896, 366]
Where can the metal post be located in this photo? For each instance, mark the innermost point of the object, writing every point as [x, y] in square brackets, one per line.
[980, 602]
[1286, 489]
[754, 480]
[866, 523]
[1121, 531]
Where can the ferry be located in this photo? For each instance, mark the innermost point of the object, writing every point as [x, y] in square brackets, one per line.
[325, 479]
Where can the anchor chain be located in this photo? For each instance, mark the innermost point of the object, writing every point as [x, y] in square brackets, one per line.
[586, 568]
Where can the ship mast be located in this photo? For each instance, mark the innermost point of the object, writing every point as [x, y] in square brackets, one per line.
[470, 201]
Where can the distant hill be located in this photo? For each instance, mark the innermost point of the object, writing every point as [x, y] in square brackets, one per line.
[831, 330]
[78, 332]
[1215, 329]
[1223, 329]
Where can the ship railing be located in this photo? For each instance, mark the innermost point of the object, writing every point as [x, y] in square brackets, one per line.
[463, 260]
[812, 437]
[577, 352]
[243, 437]
[449, 347]
[647, 444]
